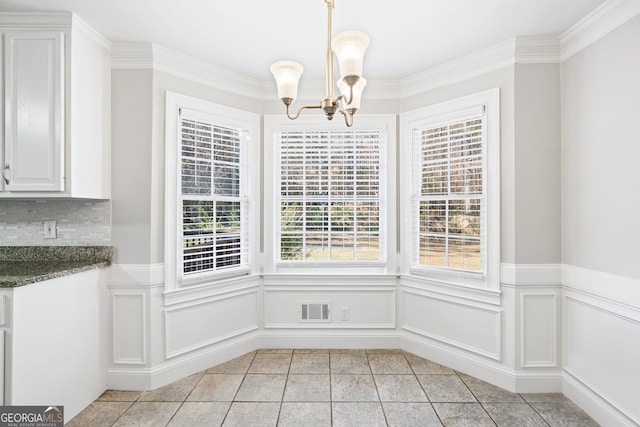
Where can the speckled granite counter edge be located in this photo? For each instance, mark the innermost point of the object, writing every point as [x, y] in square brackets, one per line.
[56, 253]
[63, 271]
[24, 265]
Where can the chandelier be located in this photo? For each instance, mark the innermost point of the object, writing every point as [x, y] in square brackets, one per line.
[349, 48]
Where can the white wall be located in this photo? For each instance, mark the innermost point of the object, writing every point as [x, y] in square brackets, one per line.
[537, 163]
[600, 153]
[131, 165]
[600, 205]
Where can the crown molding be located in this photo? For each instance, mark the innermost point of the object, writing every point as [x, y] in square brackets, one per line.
[56, 21]
[199, 71]
[537, 50]
[131, 56]
[604, 19]
[548, 49]
[525, 50]
[158, 58]
[80, 25]
[52, 21]
[481, 62]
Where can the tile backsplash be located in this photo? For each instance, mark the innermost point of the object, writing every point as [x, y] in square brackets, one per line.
[78, 222]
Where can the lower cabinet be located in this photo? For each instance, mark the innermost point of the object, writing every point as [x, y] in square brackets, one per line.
[55, 341]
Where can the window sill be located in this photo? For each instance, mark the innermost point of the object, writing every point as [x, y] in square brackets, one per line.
[448, 288]
[465, 278]
[331, 268]
[215, 285]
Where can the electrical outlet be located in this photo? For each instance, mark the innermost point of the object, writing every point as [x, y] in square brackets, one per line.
[345, 314]
[49, 229]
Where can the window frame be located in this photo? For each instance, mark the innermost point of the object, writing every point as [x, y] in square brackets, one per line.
[274, 124]
[410, 191]
[219, 115]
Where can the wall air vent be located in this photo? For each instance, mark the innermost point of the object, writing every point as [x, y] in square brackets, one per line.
[314, 312]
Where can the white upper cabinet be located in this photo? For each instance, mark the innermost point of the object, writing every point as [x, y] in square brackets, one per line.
[34, 111]
[55, 140]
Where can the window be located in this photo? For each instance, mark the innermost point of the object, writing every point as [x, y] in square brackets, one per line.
[214, 202]
[451, 197]
[455, 189]
[330, 188]
[208, 196]
[330, 195]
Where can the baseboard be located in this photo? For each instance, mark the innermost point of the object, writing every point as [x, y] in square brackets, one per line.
[538, 381]
[329, 339]
[543, 381]
[168, 372]
[599, 408]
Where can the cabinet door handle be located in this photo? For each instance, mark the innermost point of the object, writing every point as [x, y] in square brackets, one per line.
[6, 168]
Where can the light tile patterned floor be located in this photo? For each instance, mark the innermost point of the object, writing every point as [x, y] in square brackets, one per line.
[314, 388]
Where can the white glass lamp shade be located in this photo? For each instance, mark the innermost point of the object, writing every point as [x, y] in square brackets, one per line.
[349, 47]
[287, 75]
[357, 92]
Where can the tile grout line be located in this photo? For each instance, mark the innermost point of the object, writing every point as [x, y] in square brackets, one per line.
[125, 411]
[375, 383]
[535, 410]
[422, 388]
[330, 391]
[476, 397]
[186, 397]
[284, 390]
[238, 390]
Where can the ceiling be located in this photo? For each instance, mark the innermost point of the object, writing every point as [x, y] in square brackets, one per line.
[407, 36]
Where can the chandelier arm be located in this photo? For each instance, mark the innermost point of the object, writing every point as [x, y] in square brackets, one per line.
[300, 110]
[348, 117]
[344, 98]
[338, 99]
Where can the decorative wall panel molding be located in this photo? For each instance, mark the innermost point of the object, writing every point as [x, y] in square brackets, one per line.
[129, 324]
[602, 349]
[538, 330]
[468, 327]
[199, 324]
[451, 292]
[352, 307]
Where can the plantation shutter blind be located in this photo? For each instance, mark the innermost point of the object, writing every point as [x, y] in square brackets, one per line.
[330, 195]
[450, 192]
[213, 195]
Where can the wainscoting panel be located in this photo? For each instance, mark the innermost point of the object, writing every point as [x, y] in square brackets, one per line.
[538, 329]
[603, 352]
[129, 327]
[472, 328]
[204, 322]
[350, 307]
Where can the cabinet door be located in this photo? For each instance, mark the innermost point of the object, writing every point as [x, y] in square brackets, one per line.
[34, 111]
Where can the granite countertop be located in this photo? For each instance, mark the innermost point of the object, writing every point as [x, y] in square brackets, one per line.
[22, 265]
